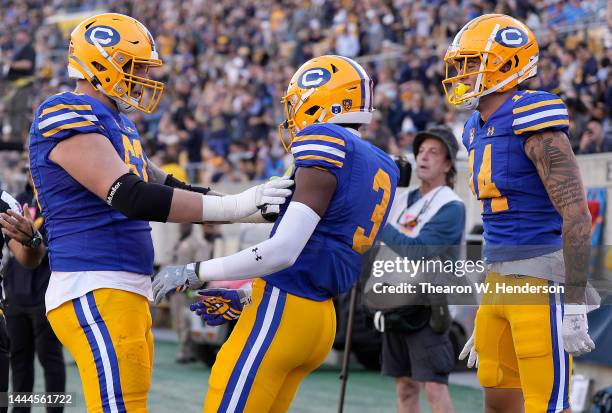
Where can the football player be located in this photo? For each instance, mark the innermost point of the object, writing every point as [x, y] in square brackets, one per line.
[25, 243]
[344, 187]
[97, 189]
[536, 222]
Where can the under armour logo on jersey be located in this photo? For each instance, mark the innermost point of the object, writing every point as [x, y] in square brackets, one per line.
[490, 131]
[314, 77]
[257, 256]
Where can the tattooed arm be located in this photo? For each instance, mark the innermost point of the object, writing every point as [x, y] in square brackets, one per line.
[554, 159]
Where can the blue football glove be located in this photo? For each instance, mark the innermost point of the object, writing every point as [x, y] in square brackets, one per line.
[220, 305]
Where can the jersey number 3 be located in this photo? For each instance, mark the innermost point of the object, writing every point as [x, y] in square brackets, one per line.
[361, 241]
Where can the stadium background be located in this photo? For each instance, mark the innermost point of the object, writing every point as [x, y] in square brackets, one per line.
[228, 62]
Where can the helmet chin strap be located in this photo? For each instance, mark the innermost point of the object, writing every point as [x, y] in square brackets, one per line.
[122, 106]
[469, 104]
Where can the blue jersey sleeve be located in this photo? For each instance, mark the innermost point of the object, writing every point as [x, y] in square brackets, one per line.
[537, 112]
[317, 146]
[65, 115]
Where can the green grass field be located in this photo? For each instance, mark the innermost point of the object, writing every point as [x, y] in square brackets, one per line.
[182, 388]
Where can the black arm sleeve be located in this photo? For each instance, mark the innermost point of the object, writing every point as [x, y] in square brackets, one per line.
[175, 183]
[137, 199]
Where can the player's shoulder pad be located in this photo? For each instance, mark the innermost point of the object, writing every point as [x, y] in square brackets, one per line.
[66, 114]
[320, 145]
[535, 111]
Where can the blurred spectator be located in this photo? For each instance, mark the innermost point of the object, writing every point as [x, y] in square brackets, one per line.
[19, 72]
[169, 161]
[24, 242]
[29, 330]
[228, 63]
[347, 43]
[593, 139]
[191, 247]
[414, 110]
[587, 67]
[192, 139]
[573, 11]
[377, 132]
[274, 164]
[21, 64]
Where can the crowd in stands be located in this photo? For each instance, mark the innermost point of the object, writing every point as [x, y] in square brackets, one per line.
[228, 62]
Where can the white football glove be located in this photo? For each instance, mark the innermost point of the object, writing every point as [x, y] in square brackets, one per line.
[231, 208]
[576, 340]
[471, 350]
[272, 192]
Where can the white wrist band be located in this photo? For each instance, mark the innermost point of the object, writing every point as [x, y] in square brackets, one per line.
[229, 207]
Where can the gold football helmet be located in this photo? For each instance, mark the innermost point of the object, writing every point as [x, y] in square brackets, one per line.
[329, 88]
[496, 52]
[110, 51]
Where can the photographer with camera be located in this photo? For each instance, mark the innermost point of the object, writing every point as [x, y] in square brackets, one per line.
[424, 223]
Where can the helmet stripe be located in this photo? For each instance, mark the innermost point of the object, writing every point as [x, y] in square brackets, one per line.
[365, 91]
[484, 58]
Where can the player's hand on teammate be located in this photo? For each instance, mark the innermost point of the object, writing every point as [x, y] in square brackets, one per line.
[220, 305]
[273, 192]
[470, 350]
[175, 278]
[576, 339]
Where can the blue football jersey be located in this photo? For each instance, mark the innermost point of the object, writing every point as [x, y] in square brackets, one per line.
[519, 219]
[366, 180]
[84, 233]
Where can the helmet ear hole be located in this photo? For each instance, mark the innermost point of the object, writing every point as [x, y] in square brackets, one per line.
[507, 66]
[312, 110]
[99, 67]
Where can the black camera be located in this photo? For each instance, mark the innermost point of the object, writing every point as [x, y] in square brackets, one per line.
[405, 168]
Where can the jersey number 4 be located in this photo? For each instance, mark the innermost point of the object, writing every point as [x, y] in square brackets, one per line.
[486, 186]
[361, 241]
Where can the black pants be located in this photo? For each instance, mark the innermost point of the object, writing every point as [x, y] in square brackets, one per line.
[30, 332]
[4, 360]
